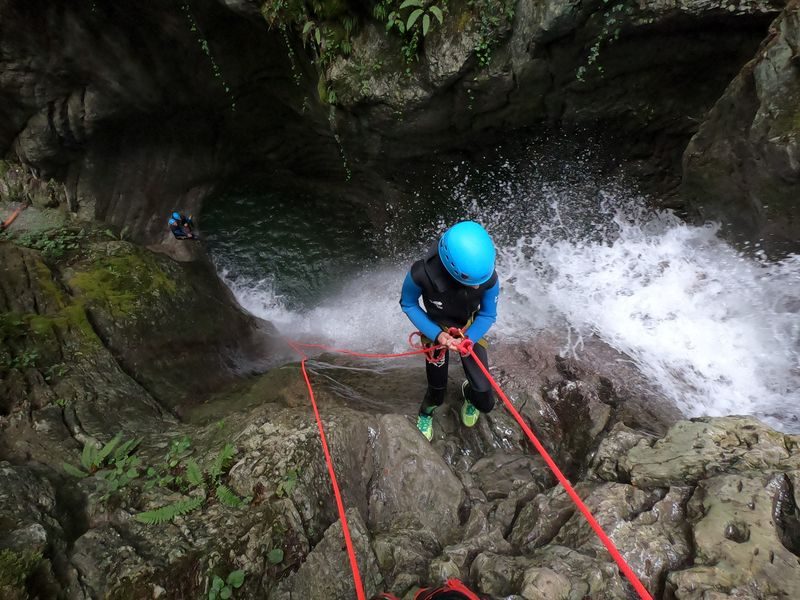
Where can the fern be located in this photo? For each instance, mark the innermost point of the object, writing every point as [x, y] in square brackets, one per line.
[194, 474]
[169, 512]
[88, 456]
[106, 450]
[125, 449]
[222, 460]
[227, 497]
[74, 471]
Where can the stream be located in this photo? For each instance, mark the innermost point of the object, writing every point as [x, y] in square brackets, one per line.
[580, 253]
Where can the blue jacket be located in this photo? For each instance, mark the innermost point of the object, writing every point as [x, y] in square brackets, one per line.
[447, 302]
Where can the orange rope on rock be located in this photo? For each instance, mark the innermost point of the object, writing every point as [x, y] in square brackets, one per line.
[4, 225]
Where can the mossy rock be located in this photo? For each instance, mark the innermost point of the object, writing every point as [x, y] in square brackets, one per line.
[125, 282]
[15, 569]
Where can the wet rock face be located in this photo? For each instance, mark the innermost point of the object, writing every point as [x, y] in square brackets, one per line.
[140, 110]
[133, 107]
[645, 70]
[743, 166]
[699, 509]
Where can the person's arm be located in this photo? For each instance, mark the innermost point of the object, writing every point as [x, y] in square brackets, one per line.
[487, 314]
[409, 302]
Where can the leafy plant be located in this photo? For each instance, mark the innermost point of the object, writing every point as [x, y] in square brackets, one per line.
[123, 234]
[113, 463]
[227, 497]
[412, 19]
[180, 471]
[170, 511]
[223, 588]
[113, 456]
[194, 475]
[491, 16]
[203, 43]
[419, 9]
[275, 556]
[54, 243]
[56, 370]
[25, 360]
[286, 486]
[613, 15]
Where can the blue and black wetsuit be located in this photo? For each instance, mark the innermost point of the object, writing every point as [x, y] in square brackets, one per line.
[182, 228]
[449, 303]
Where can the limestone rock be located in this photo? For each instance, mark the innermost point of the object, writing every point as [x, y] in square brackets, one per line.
[607, 458]
[696, 449]
[326, 575]
[410, 478]
[501, 473]
[743, 165]
[559, 573]
[739, 541]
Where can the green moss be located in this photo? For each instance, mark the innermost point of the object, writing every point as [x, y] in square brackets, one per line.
[788, 121]
[12, 325]
[48, 285]
[16, 567]
[124, 283]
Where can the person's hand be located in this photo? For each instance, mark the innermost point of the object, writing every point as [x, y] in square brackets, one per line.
[447, 340]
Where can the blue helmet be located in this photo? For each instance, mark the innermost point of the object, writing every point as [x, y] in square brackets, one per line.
[176, 216]
[468, 253]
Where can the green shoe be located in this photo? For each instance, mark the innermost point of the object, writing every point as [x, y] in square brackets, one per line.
[469, 414]
[425, 425]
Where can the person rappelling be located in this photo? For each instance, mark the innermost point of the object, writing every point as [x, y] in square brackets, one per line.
[181, 226]
[459, 289]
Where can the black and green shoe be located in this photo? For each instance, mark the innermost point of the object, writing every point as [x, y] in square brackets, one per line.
[469, 414]
[425, 425]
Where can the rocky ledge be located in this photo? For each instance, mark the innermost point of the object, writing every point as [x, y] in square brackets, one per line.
[120, 480]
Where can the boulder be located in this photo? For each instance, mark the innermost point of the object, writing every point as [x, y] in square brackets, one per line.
[326, 573]
[700, 448]
[740, 539]
[742, 168]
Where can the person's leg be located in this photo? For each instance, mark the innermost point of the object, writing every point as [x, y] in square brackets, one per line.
[477, 390]
[436, 374]
[434, 396]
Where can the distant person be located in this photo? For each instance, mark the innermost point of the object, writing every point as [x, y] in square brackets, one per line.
[459, 288]
[181, 227]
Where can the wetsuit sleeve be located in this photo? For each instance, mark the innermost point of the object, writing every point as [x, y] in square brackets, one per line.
[487, 314]
[409, 302]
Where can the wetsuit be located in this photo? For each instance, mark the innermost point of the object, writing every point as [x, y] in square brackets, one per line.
[181, 229]
[449, 303]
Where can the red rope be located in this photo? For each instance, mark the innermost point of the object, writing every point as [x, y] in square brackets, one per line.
[414, 352]
[466, 349]
[336, 492]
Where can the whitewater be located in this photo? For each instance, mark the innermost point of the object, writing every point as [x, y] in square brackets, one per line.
[715, 329]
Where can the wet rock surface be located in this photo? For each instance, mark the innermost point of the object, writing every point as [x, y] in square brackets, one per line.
[95, 98]
[698, 508]
[742, 167]
[111, 338]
